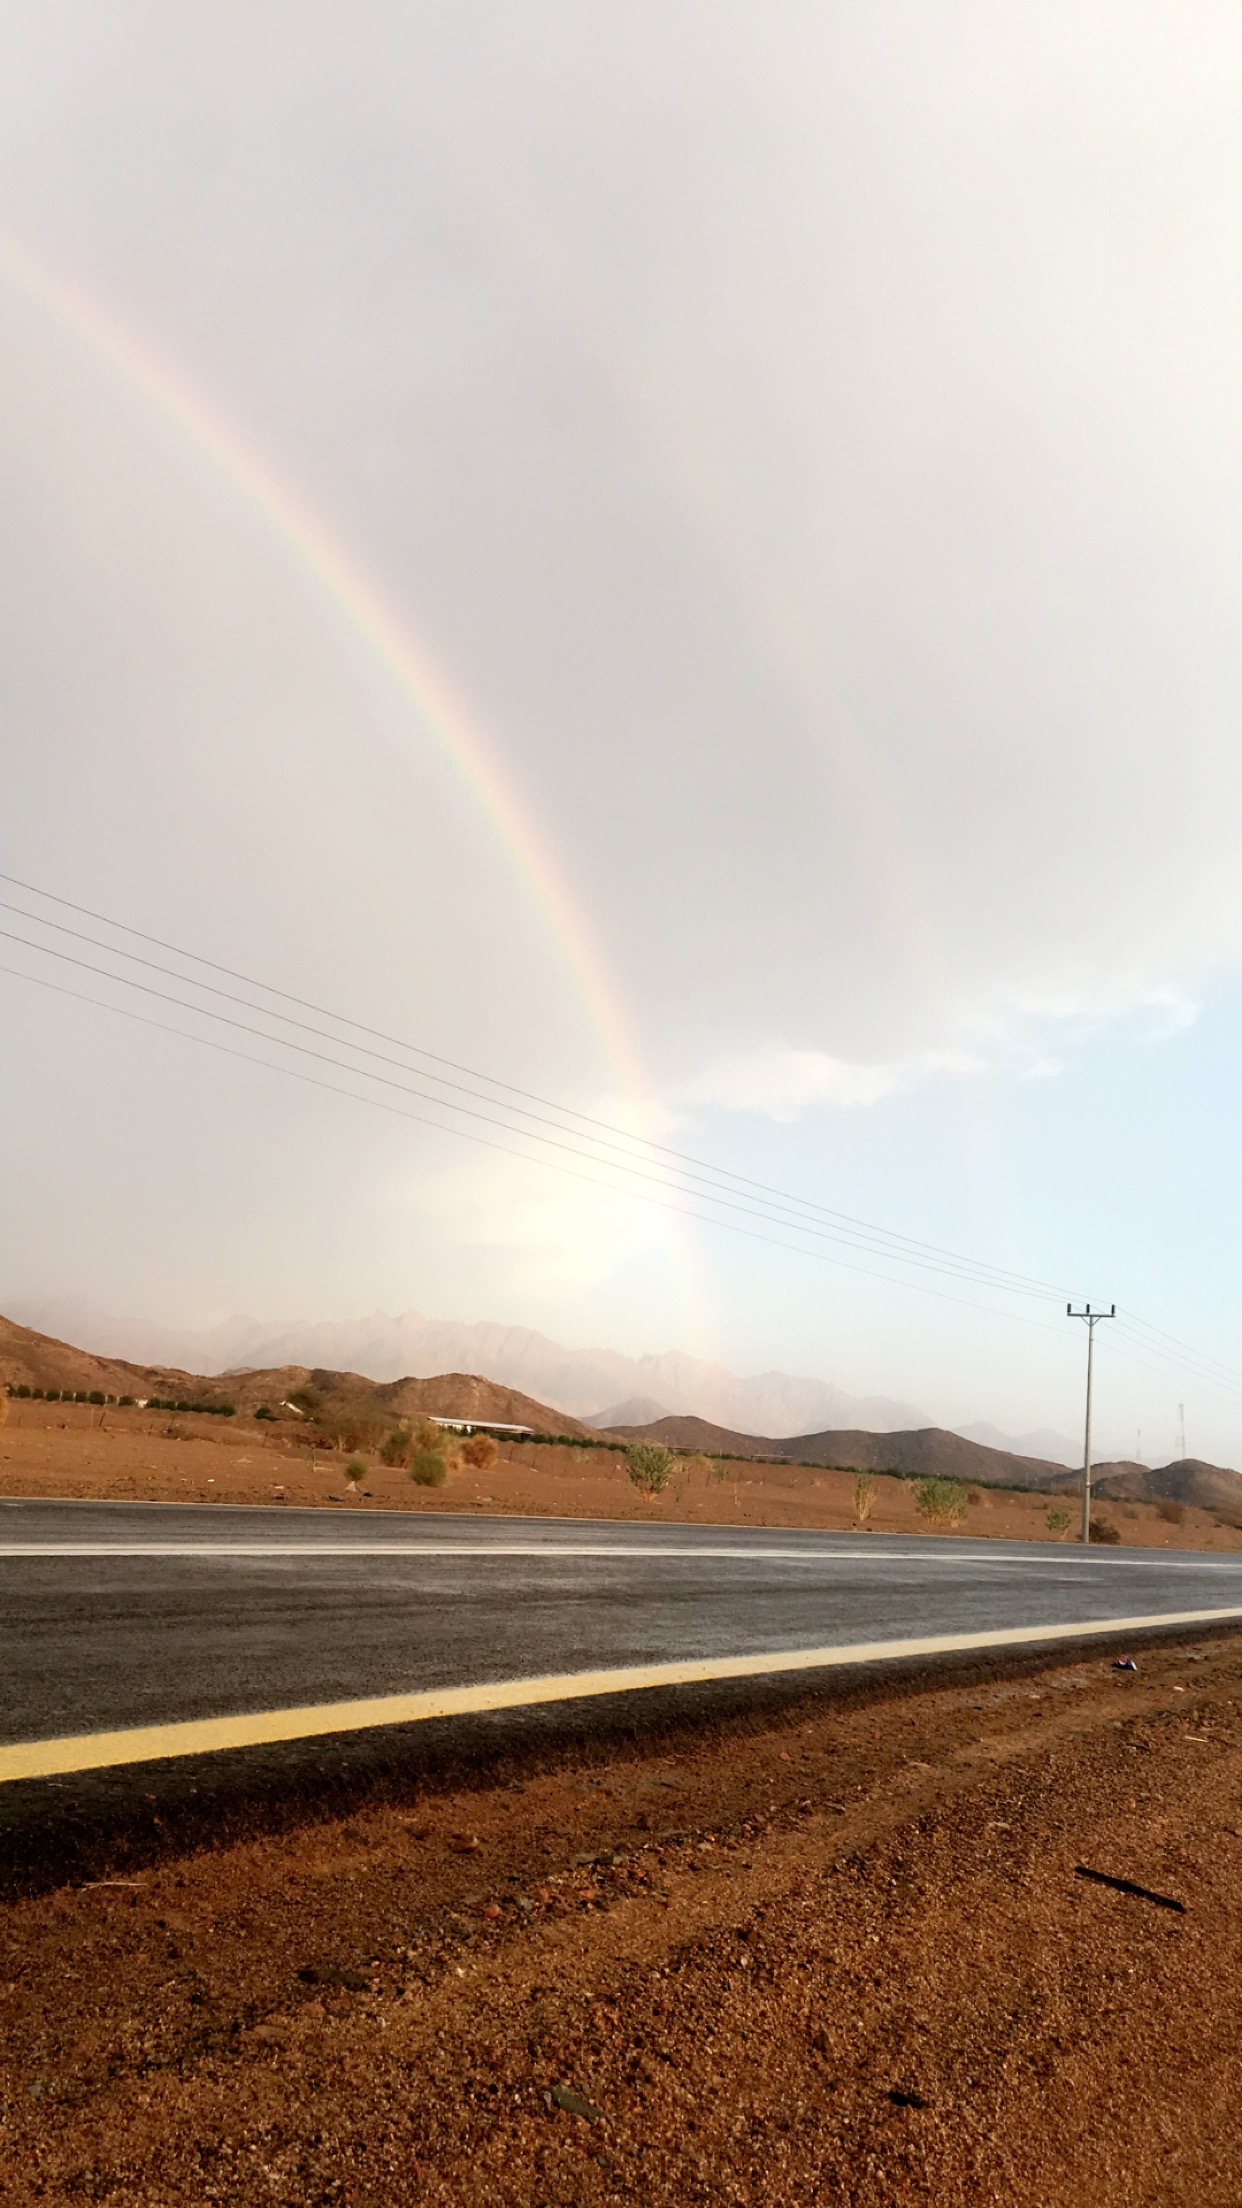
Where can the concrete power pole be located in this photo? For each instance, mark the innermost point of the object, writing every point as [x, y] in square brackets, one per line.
[1093, 1319]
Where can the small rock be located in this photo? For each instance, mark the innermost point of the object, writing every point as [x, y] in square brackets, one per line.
[564, 2097]
[465, 1843]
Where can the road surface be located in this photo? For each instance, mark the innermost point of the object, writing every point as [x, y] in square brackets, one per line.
[131, 1632]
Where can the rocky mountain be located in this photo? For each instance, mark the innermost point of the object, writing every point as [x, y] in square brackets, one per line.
[1044, 1442]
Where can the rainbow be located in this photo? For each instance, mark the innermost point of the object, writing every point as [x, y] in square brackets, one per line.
[361, 606]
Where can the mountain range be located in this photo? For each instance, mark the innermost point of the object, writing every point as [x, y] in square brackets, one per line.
[601, 1387]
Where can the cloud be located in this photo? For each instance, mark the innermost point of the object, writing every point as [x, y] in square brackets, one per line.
[782, 1083]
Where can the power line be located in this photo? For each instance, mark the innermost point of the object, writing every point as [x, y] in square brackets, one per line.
[721, 1174]
[875, 1242]
[572, 1132]
[728, 1226]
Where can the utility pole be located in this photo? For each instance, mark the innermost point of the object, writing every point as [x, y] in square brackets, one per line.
[1093, 1319]
[1181, 1433]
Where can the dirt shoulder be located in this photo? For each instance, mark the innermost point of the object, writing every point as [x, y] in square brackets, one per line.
[840, 1955]
[71, 1450]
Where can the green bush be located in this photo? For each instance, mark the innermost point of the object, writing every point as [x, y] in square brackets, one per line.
[126, 1402]
[649, 1464]
[429, 1468]
[1057, 1521]
[942, 1502]
[262, 1411]
[397, 1445]
[355, 1470]
[864, 1496]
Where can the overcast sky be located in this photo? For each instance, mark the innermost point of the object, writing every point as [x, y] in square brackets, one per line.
[802, 443]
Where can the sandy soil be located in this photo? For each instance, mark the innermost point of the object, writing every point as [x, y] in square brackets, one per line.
[70, 1450]
[842, 1956]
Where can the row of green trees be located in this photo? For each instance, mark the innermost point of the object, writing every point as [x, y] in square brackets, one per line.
[66, 1395]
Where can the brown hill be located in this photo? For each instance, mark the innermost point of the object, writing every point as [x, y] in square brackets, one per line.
[930, 1451]
[683, 1432]
[35, 1360]
[1190, 1480]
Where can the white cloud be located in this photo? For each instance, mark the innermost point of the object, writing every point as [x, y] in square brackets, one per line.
[782, 1083]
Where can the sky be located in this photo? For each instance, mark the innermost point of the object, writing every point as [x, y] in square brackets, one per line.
[683, 557]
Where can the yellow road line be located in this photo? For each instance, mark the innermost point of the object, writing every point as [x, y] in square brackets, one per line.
[43, 1759]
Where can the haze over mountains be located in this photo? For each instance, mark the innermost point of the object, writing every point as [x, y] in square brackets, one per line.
[602, 1387]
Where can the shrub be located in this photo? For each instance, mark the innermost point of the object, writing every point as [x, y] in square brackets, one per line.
[37, 1393]
[262, 1410]
[23, 1390]
[864, 1496]
[480, 1451]
[1103, 1530]
[397, 1444]
[942, 1502]
[126, 1402]
[1172, 1513]
[1057, 1521]
[307, 1400]
[96, 1396]
[355, 1470]
[51, 1395]
[649, 1464]
[429, 1468]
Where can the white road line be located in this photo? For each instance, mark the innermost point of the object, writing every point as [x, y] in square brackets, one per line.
[41, 1759]
[1039, 1556]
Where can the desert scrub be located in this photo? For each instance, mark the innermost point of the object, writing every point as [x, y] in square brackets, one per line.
[864, 1496]
[649, 1464]
[480, 1452]
[1057, 1521]
[397, 1445]
[942, 1502]
[1104, 1531]
[355, 1470]
[429, 1461]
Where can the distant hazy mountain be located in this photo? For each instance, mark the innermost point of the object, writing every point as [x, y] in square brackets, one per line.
[1044, 1442]
[596, 1384]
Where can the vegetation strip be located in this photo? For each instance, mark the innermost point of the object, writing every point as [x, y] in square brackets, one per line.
[42, 1759]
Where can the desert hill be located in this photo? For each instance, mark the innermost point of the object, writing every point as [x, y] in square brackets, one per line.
[927, 1451]
[1190, 1480]
[931, 1451]
[32, 1360]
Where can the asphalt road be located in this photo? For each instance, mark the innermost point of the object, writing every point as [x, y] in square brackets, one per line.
[127, 1615]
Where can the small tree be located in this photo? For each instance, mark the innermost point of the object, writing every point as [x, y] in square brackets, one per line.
[480, 1451]
[397, 1444]
[429, 1458]
[942, 1502]
[649, 1464]
[355, 1471]
[864, 1496]
[1057, 1522]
